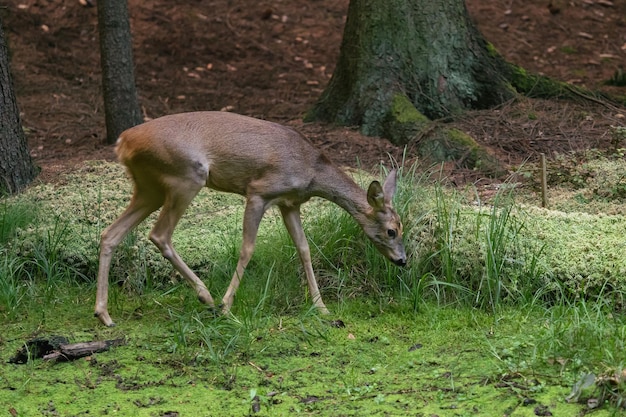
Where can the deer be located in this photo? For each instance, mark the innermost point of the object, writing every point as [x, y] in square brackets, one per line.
[171, 158]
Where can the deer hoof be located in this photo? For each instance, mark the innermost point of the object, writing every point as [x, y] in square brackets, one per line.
[205, 298]
[225, 309]
[104, 318]
[215, 312]
[323, 310]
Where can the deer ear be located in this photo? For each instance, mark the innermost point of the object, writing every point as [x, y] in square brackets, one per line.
[376, 196]
[389, 186]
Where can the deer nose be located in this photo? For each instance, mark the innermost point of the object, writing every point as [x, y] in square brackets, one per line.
[400, 262]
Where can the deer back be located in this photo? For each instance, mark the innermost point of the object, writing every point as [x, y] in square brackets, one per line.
[227, 151]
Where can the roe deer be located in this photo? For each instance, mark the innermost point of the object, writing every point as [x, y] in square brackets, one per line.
[171, 158]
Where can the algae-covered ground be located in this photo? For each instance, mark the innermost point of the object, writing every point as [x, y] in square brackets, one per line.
[504, 310]
[365, 360]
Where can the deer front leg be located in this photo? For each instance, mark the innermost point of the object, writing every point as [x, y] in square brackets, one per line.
[255, 208]
[291, 218]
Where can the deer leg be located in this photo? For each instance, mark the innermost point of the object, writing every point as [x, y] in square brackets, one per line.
[138, 209]
[291, 217]
[255, 208]
[176, 202]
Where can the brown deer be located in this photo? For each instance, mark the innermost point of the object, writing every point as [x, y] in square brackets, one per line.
[171, 158]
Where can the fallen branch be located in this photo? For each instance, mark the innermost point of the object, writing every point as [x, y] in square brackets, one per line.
[57, 348]
[72, 351]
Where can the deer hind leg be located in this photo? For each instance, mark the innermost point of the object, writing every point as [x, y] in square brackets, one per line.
[255, 208]
[139, 208]
[291, 218]
[178, 197]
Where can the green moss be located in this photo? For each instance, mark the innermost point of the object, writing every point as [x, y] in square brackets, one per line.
[538, 86]
[567, 49]
[378, 364]
[403, 121]
[403, 111]
[533, 85]
[437, 143]
[449, 144]
[461, 138]
[520, 79]
[492, 51]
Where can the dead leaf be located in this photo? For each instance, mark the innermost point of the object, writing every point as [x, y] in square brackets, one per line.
[351, 336]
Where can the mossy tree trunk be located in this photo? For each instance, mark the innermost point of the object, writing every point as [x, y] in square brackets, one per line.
[17, 169]
[121, 105]
[428, 51]
[403, 63]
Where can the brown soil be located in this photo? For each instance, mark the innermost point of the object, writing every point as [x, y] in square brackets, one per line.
[272, 59]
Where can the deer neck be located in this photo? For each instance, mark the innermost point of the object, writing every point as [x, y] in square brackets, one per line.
[335, 185]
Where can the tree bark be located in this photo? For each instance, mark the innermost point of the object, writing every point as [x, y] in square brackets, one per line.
[121, 105]
[424, 52]
[17, 169]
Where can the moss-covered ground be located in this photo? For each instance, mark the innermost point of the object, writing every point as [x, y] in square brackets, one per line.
[505, 310]
[366, 359]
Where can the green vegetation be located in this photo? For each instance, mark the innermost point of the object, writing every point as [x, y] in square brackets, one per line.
[506, 309]
[568, 49]
[435, 141]
[618, 78]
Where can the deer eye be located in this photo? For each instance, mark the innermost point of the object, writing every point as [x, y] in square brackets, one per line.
[391, 233]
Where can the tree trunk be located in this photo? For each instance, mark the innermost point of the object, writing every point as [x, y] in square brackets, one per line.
[423, 52]
[17, 169]
[116, 59]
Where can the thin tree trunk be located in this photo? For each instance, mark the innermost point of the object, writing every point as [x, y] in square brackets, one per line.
[116, 59]
[17, 169]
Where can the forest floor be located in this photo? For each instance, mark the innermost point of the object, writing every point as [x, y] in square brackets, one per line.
[272, 59]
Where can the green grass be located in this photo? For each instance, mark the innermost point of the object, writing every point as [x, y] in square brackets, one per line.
[503, 310]
[178, 357]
